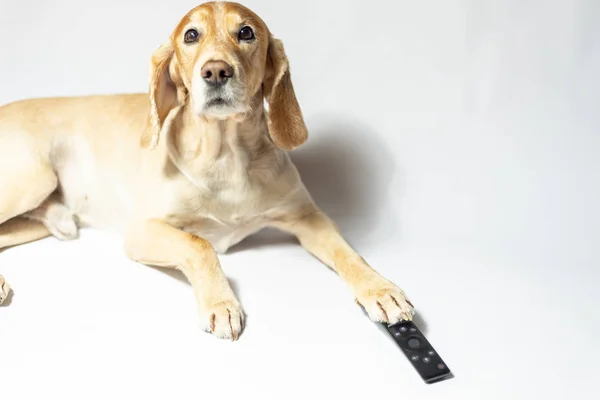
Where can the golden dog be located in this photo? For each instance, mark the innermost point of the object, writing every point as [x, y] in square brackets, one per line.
[184, 171]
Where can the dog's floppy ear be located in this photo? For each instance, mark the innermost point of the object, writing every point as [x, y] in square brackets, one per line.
[286, 124]
[166, 92]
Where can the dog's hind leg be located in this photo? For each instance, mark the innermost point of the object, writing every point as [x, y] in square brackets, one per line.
[25, 182]
[27, 177]
[24, 188]
[21, 230]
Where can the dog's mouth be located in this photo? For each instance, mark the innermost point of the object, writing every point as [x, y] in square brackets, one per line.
[216, 102]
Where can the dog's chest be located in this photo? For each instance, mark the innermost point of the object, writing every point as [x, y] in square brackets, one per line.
[223, 235]
[224, 216]
[233, 198]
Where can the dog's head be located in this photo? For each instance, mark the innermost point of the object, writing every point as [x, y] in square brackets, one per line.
[220, 60]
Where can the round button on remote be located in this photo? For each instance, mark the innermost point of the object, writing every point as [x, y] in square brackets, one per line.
[426, 360]
[403, 329]
[414, 358]
[414, 343]
[431, 353]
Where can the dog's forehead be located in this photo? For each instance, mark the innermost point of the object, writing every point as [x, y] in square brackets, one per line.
[221, 13]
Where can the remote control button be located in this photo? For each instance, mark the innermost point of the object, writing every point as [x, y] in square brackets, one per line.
[414, 343]
[431, 353]
[397, 334]
[414, 358]
[403, 329]
[426, 360]
[413, 330]
[441, 366]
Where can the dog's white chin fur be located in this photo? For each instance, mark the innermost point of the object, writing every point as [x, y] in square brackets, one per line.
[221, 112]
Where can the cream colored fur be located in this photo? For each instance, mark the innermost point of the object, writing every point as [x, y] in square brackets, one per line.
[179, 181]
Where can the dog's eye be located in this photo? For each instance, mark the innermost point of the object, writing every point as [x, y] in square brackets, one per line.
[246, 34]
[191, 36]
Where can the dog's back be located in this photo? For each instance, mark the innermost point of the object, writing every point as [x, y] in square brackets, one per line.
[46, 118]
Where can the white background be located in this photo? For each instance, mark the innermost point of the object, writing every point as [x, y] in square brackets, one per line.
[456, 144]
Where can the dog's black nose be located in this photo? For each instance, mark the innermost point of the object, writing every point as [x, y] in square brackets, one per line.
[216, 72]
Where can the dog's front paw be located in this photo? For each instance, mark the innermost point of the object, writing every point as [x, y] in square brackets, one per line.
[4, 289]
[224, 319]
[385, 302]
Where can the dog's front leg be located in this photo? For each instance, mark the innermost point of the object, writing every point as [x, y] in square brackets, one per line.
[317, 233]
[157, 243]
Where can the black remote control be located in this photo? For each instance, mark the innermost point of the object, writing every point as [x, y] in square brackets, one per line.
[419, 352]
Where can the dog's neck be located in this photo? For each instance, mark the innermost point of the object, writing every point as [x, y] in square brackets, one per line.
[195, 143]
